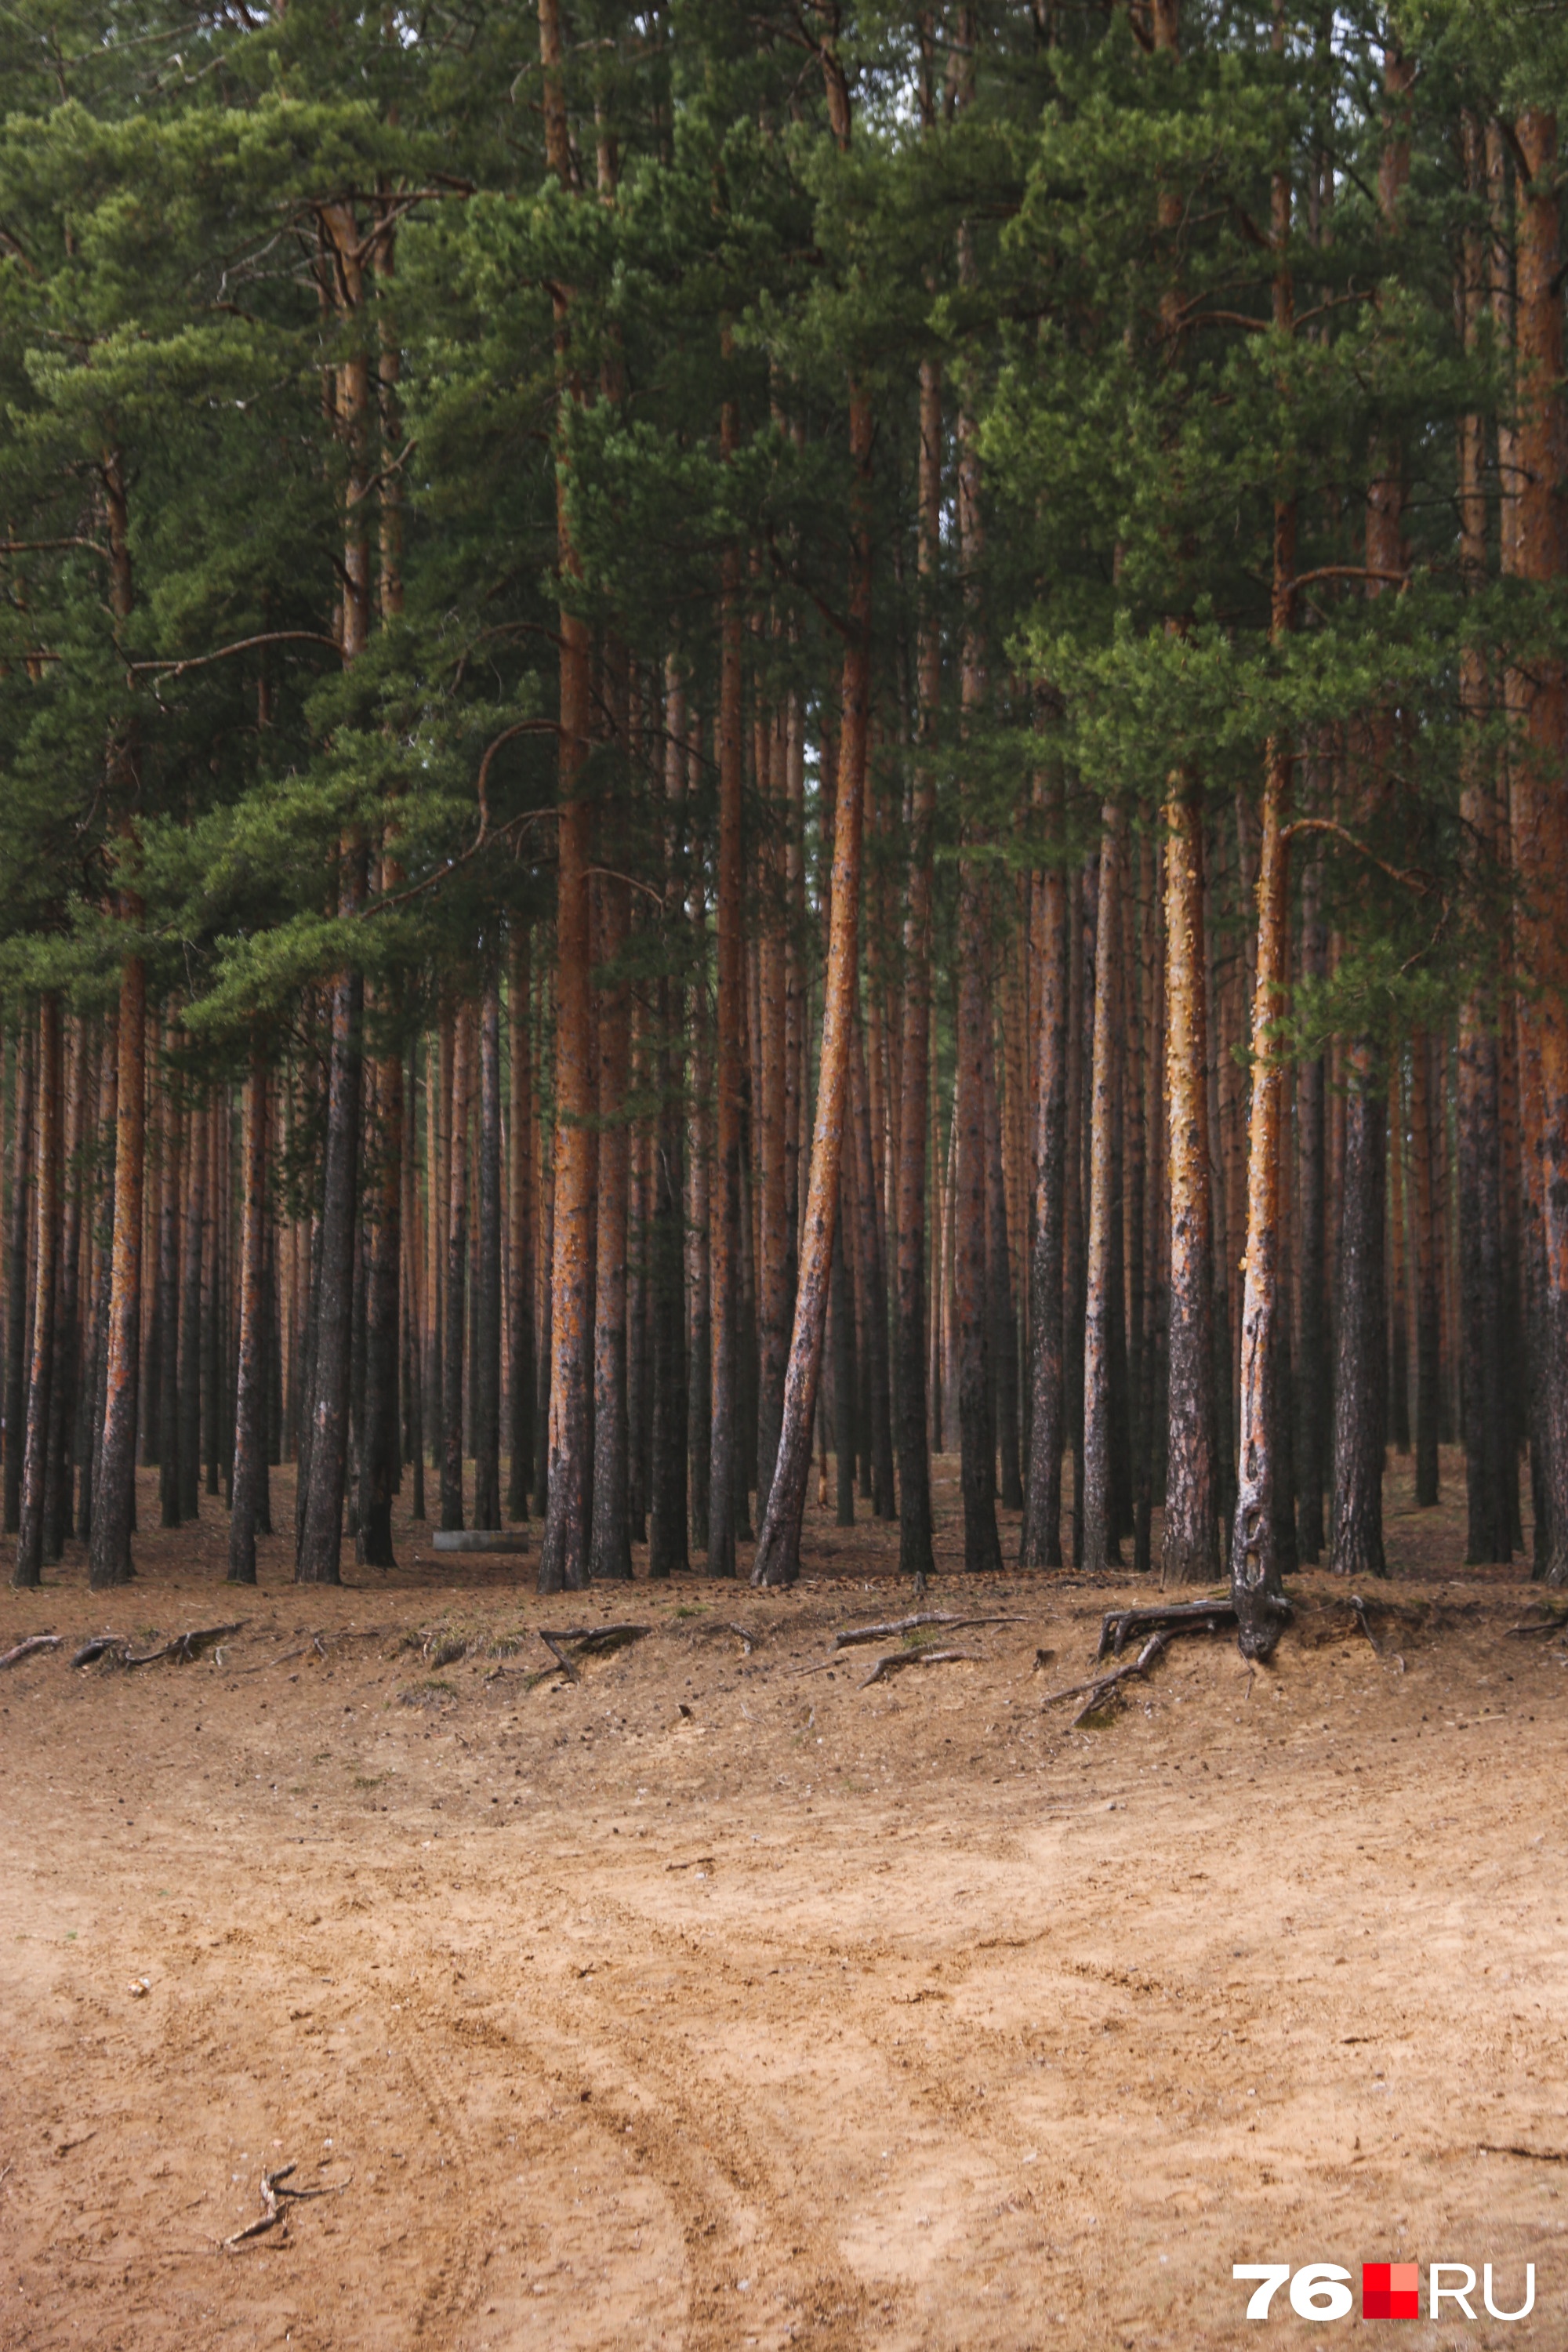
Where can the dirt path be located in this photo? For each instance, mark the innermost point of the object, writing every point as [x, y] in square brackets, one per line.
[704, 2002]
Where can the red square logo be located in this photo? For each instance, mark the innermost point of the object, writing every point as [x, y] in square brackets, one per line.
[1389, 2291]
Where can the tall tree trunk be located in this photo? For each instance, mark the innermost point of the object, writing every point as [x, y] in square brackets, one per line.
[915, 1409]
[1311, 1337]
[455, 1296]
[667, 1550]
[1359, 1381]
[1190, 1553]
[777, 1560]
[564, 1552]
[1041, 1544]
[197, 1132]
[1540, 818]
[18, 1328]
[1100, 1548]
[176, 1124]
[249, 1510]
[46, 1274]
[1004, 1329]
[520, 1264]
[487, 1296]
[879, 1436]
[321, 1524]
[725, 1456]
[380, 1448]
[114, 1487]
[67, 1338]
[610, 1554]
[1429, 1328]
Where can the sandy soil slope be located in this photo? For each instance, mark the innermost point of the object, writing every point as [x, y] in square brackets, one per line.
[705, 2002]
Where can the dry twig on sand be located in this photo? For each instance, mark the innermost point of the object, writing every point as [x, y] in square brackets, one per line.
[273, 2194]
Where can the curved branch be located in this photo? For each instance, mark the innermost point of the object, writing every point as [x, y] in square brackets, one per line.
[242, 645]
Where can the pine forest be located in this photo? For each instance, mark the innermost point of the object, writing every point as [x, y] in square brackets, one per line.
[778, 769]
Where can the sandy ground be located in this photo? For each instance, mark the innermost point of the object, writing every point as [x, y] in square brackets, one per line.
[708, 2002]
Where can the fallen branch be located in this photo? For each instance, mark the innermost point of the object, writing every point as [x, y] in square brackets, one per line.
[897, 1658]
[1535, 2155]
[1530, 1631]
[1094, 1692]
[273, 2193]
[30, 1647]
[1120, 1626]
[853, 1633]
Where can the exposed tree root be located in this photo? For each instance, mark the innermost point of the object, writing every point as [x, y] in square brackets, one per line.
[850, 1634]
[1094, 1693]
[1120, 1626]
[30, 1648]
[895, 1659]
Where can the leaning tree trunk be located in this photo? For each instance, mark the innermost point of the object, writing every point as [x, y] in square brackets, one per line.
[1190, 1553]
[247, 1510]
[777, 1558]
[45, 1271]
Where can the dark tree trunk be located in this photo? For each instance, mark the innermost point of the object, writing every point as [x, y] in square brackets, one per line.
[667, 1513]
[1101, 1547]
[842, 1321]
[64, 1415]
[879, 1377]
[699, 1283]
[18, 1331]
[1041, 1544]
[46, 1278]
[1312, 1349]
[454, 1318]
[189, 1445]
[214, 1316]
[98, 1356]
[250, 1505]
[1003, 1333]
[379, 1446]
[321, 1538]
[1428, 1311]
[487, 1303]
[982, 1546]
[177, 1122]
[520, 1264]
[1360, 1374]
[1488, 1447]
[610, 1553]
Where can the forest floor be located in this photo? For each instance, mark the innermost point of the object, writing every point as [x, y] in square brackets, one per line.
[706, 2003]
